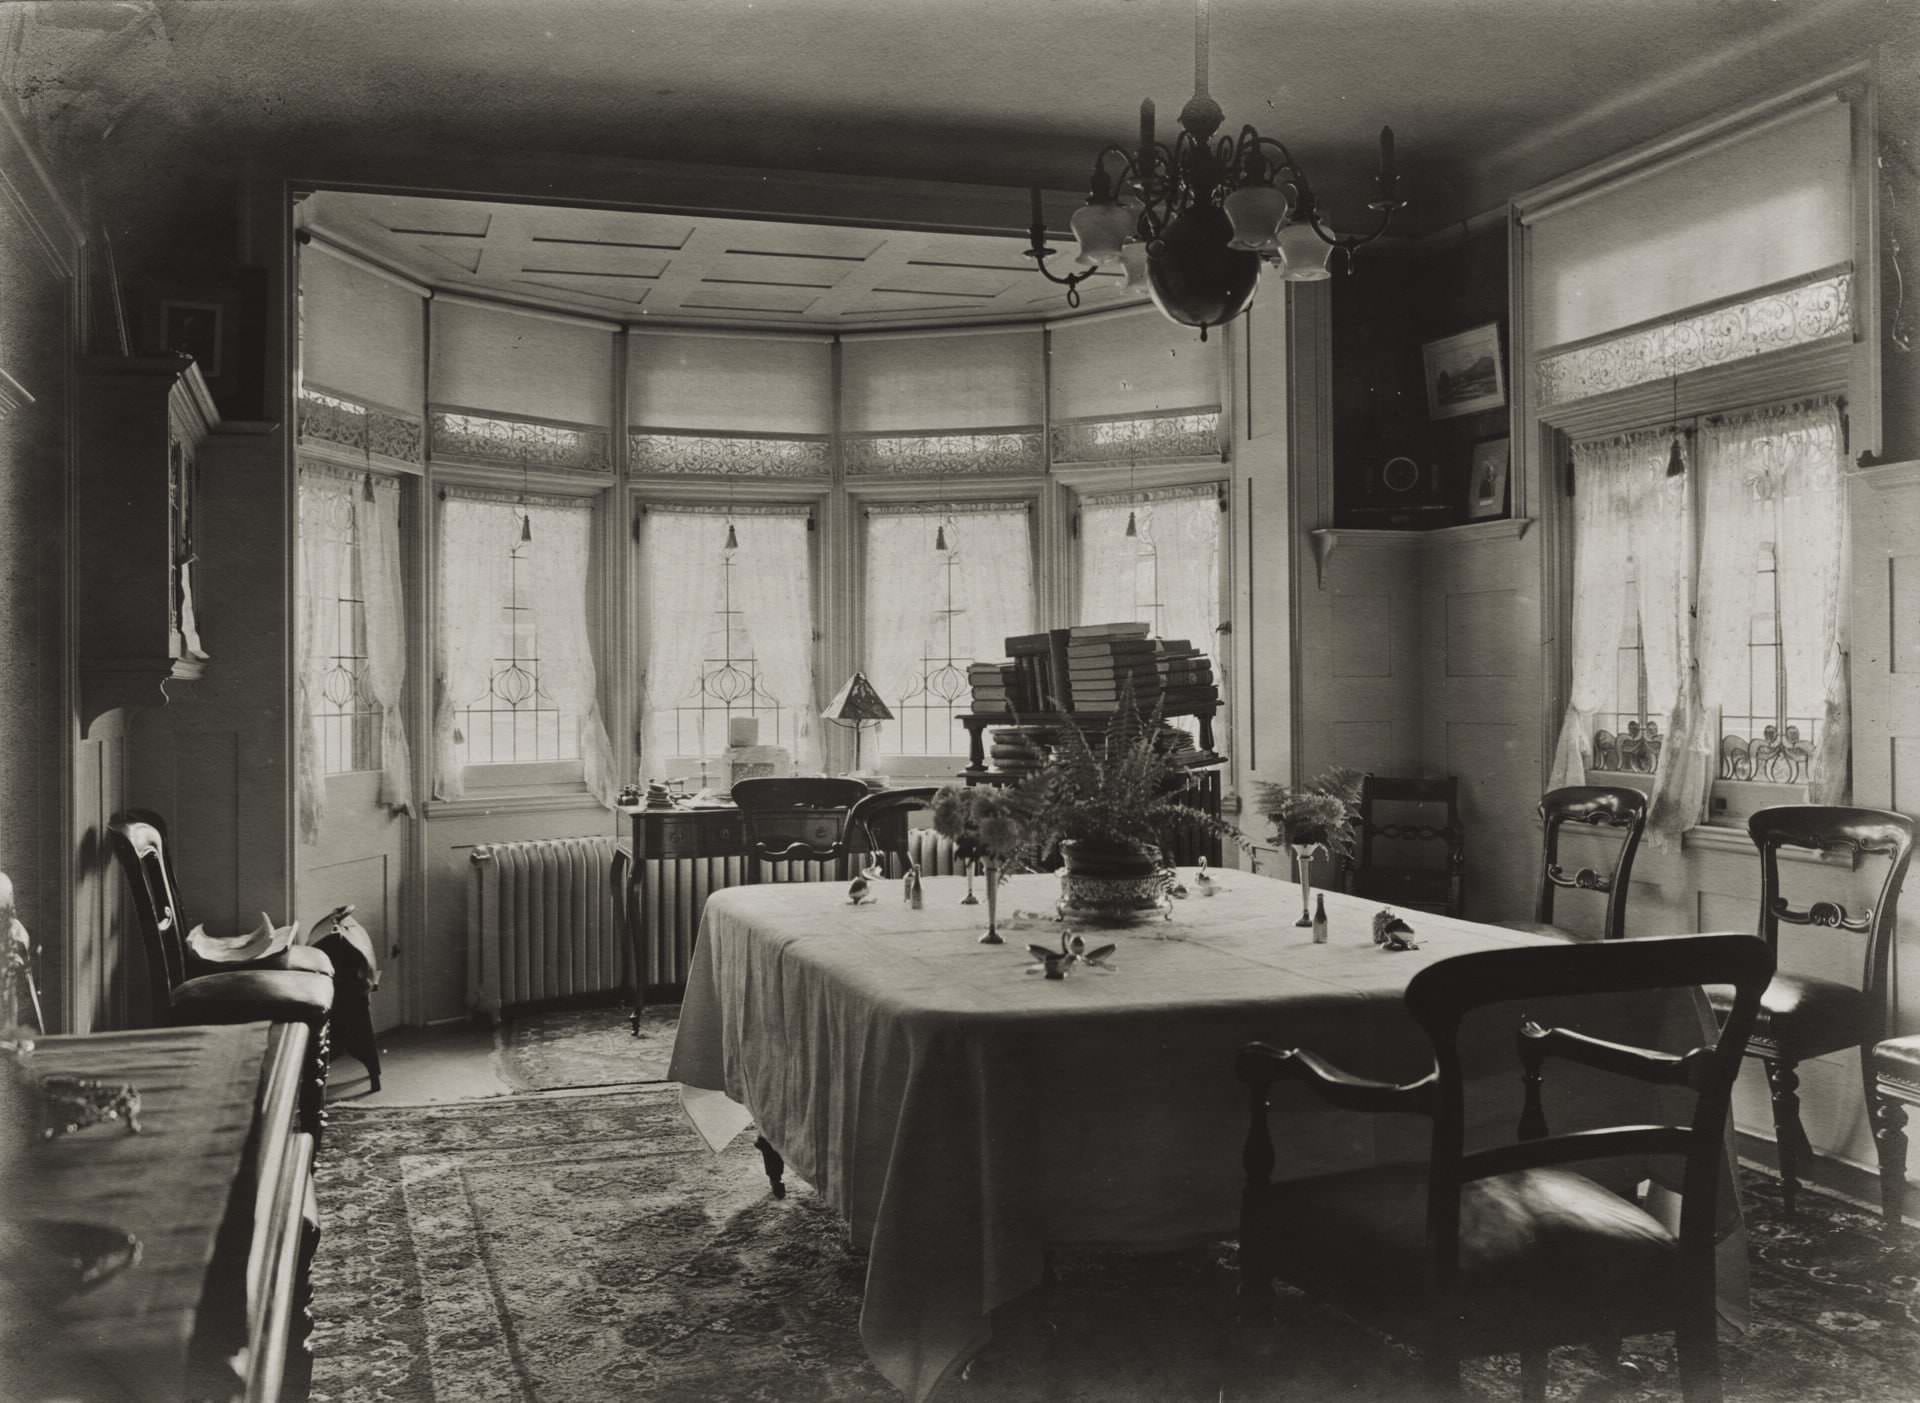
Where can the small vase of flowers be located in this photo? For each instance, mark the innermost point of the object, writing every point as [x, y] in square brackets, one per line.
[1313, 820]
[986, 826]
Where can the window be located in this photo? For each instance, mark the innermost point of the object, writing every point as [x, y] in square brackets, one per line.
[946, 585]
[345, 712]
[517, 686]
[1709, 610]
[727, 613]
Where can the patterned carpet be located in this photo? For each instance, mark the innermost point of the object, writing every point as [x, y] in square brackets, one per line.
[588, 1247]
[586, 1047]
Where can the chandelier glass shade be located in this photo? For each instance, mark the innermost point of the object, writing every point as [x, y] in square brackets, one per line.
[1204, 213]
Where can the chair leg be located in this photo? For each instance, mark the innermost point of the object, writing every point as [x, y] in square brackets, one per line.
[1698, 1348]
[1890, 1142]
[1790, 1137]
[774, 1165]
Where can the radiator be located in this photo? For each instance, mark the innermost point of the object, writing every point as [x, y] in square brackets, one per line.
[541, 923]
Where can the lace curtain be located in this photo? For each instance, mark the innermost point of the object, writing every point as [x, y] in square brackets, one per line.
[1632, 540]
[907, 607]
[322, 497]
[1173, 561]
[477, 535]
[382, 587]
[683, 586]
[1771, 485]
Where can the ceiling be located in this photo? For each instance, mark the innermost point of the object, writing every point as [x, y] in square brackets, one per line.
[157, 100]
[634, 267]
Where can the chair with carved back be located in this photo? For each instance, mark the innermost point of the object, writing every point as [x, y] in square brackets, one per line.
[1802, 1015]
[1382, 874]
[879, 825]
[1504, 1249]
[1619, 812]
[294, 986]
[796, 820]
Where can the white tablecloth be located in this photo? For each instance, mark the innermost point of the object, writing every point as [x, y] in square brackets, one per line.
[962, 1114]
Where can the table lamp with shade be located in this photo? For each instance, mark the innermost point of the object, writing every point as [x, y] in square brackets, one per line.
[855, 705]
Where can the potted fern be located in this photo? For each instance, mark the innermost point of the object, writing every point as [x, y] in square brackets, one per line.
[1107, 811]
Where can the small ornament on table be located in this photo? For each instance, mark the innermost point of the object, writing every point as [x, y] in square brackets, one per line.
[860, 890]
[1392, 933]
[911, 888]
[1320, 919]
[1203, 880]
[1074, 950]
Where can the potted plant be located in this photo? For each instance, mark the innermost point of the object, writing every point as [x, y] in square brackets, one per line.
[1312, 819]
[1108, 812]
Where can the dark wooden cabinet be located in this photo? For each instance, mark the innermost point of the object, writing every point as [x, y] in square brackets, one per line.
[138, 434]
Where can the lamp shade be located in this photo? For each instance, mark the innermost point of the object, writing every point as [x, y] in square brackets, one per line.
[1304, 253]
[1102, 226]
[857, 702]
[1256, 212]
[1196, 278]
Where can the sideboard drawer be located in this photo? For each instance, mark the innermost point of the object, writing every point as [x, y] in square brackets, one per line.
[695, 835]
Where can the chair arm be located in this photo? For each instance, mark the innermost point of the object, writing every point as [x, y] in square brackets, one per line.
[1690, 1069]
[1260, 1065]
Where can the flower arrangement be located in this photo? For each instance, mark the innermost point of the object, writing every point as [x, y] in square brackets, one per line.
[1319, 815]
[982, 820]
[1126, 797]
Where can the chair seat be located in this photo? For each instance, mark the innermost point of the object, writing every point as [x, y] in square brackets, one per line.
[1543, 928]
[308, 958]
[1545, 1254]
[1896, 1065]
[278, 996]
[1801, 1017]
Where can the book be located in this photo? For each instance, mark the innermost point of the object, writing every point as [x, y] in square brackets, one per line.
[1132, 629]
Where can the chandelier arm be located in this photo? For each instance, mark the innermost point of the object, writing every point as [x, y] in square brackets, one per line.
[1350, 242]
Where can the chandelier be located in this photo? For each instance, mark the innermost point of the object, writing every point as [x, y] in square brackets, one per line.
[1199, 219]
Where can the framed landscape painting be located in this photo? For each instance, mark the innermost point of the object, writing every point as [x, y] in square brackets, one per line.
[1463, 372]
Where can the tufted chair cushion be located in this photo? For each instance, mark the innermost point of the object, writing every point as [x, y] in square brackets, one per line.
[285, 996]
[308, 958]
[1896, 1063]
[1800, 1016]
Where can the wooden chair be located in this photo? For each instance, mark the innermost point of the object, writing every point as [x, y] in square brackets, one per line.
[294, 986]
[796, 820]
[1802, 1016]
[1623, 812]
[1439, 887]
[1896, 1076]
[1501, 1250]
[878, 825]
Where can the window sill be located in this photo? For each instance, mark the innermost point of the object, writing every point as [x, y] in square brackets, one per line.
[509, 802]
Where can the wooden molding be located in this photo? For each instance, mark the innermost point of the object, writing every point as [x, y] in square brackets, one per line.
[1328, 539]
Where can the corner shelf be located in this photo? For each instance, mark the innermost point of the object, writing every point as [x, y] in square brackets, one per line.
[1327, 539]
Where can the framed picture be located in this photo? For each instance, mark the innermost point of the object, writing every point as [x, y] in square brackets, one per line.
[1487, 479]
[193, 328]
[1463, 372]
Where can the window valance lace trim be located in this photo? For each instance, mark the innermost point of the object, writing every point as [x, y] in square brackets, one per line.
[327, 416]
[674, 453]
[1169, 436]
[488, 439]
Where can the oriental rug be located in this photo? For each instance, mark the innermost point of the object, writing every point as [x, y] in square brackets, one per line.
[558, 1248]
[585, 1047]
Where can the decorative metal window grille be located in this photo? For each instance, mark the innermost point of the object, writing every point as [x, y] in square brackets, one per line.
[515, 721]
[346, 712]
[1627, 739]
[926, 717]
[728, 684]
[1767, 742]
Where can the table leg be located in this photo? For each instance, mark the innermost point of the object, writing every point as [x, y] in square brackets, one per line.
[775, 1166]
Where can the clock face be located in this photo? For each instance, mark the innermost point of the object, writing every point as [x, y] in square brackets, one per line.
[1400, 475]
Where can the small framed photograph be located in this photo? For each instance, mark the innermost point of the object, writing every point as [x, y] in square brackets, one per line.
[1487, 480]
[1463, 372]
[193, 329]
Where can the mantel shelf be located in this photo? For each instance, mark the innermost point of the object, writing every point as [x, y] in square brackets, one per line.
[1328, 539]
[107, 684]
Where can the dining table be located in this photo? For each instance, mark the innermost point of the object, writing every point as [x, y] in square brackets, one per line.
[964, 1113]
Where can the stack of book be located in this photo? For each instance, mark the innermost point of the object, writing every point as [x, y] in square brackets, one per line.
[995, 687]
[1116, 666]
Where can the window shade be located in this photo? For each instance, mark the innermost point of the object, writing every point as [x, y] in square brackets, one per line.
[1762, 209]
[910, 384]
[360, 335]
[1138, 364]
[730, 384]
[513, 363]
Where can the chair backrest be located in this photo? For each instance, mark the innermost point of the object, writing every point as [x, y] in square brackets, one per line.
[1440, 996]
[1831, 828]
[1621, 811]
[139, 840]
[878, 823]
[1443, 794]
[783, 817]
